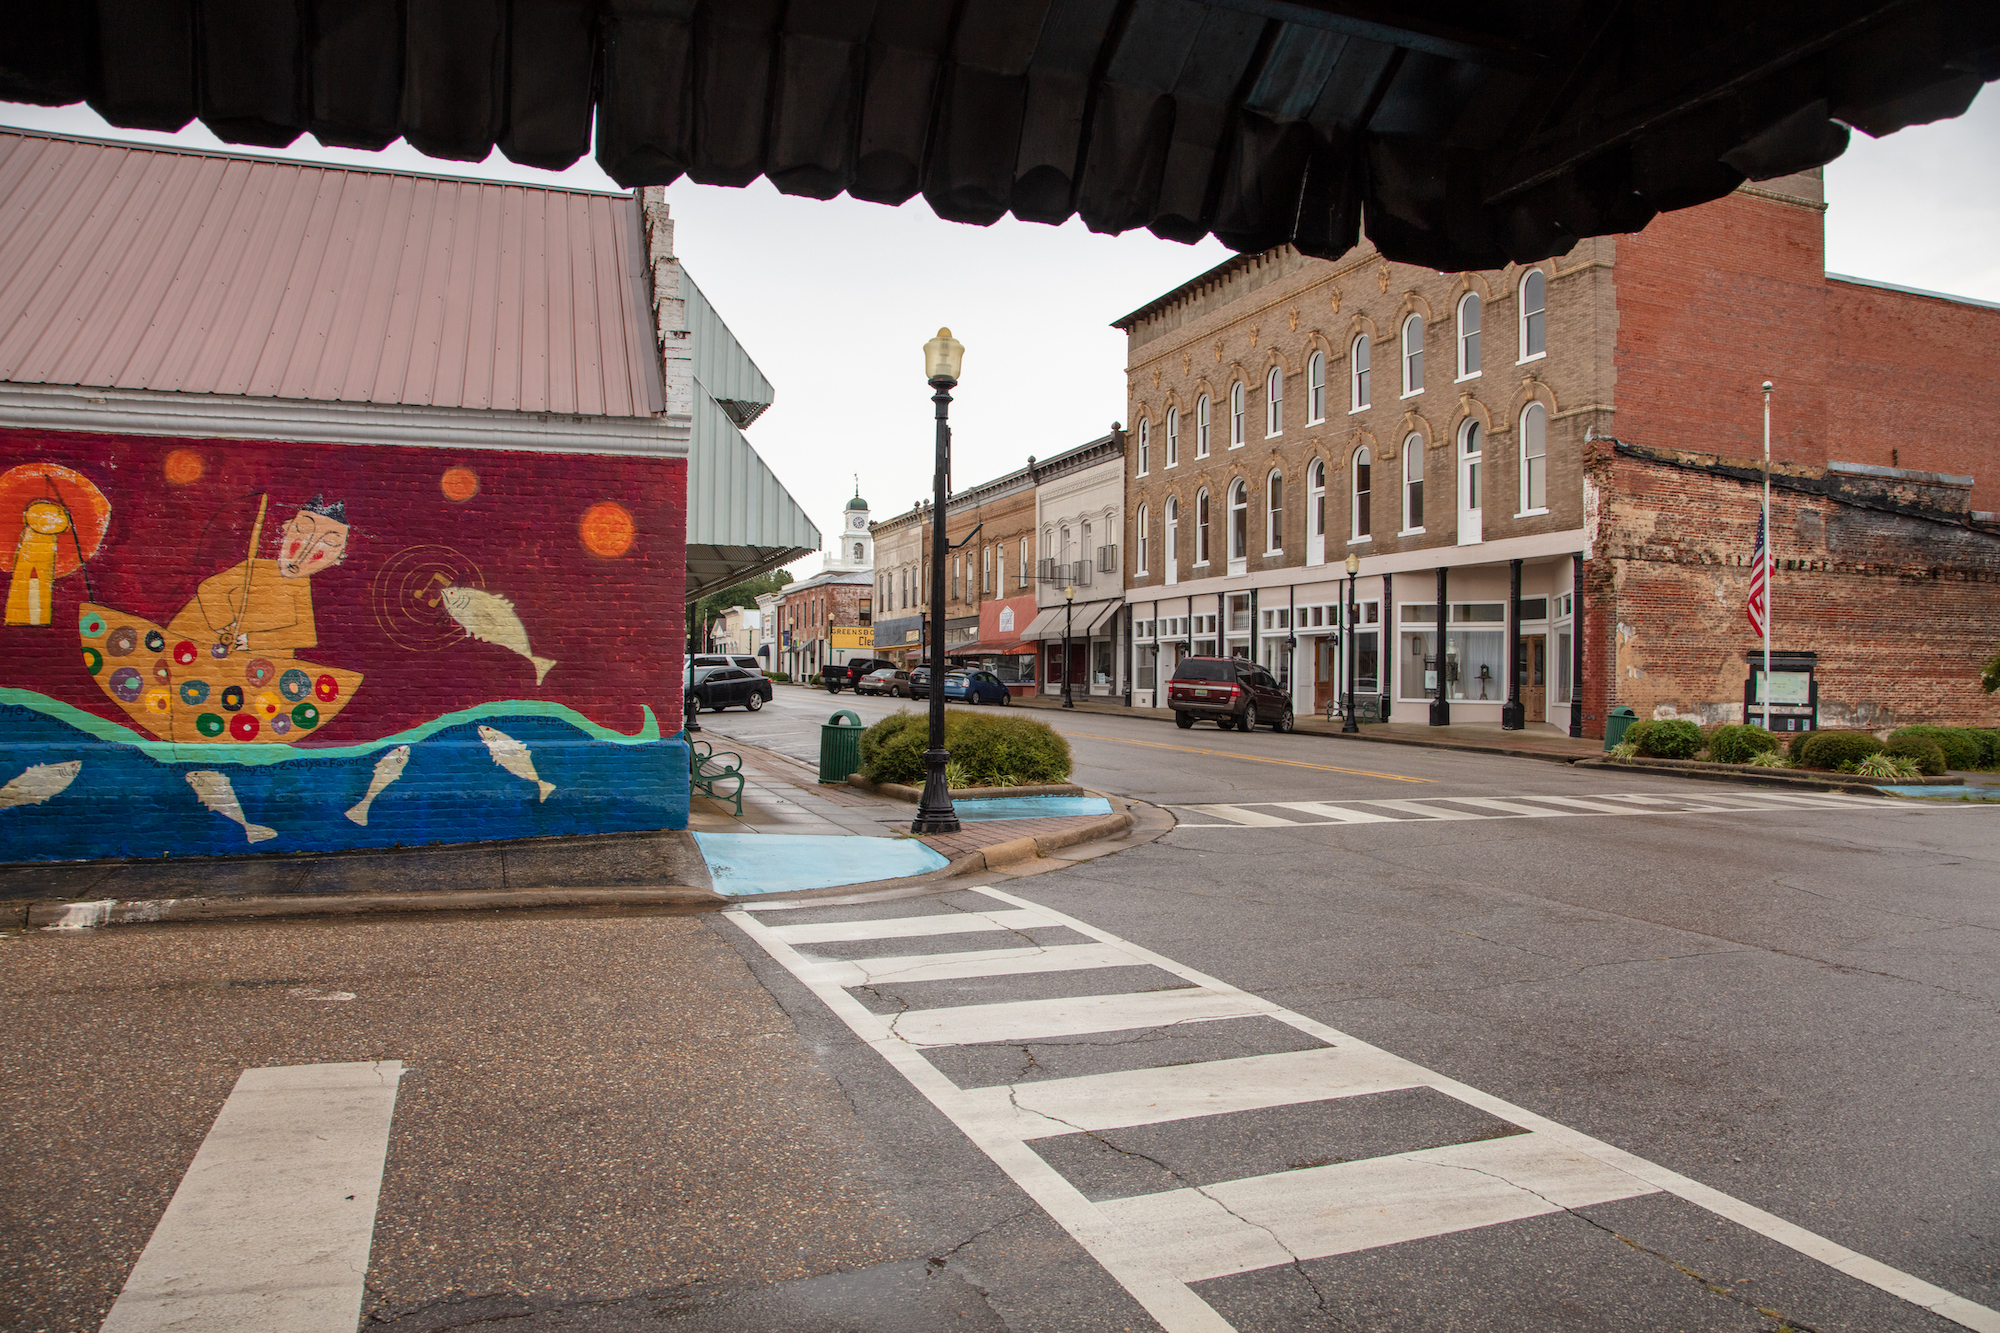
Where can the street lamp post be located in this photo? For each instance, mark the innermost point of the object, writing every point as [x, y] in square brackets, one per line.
[943, 357]
[1350, 726]
[1069, 604]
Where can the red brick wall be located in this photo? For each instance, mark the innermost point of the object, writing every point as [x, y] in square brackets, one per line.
[1911, 384]
[1900, 609]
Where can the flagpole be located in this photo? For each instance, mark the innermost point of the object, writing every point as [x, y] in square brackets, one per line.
[1769, 599]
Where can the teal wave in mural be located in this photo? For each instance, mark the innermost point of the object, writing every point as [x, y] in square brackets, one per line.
[170, 752]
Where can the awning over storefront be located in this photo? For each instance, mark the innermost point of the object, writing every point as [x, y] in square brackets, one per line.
[1011, 649]
[1085, 618]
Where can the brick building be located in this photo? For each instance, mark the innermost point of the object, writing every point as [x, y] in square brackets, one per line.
[1289, 412]
[997, 565]
[828, 618]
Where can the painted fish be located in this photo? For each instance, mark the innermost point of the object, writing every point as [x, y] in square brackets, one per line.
[41, 782]
[491, 618]
[513, 756]
[212, 789]
[387, 769]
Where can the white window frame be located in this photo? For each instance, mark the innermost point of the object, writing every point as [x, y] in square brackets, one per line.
[1536, 278]
[1274, 403]
[1202, 412]
[1529, 471]
[1173, 437]
[1316, 512]
[1413, 355]
[1468, 339]
[1357, 512]
[1238, 531]
[1145, 446]
[1170, 520]
[1201, 517]
[1357, 374]
[1000, 569]
[1471, 481]
[1021, 573]
[1316, 388]
[1143, 538]
[1274, 513]
[1237, 424]
[1413, 456]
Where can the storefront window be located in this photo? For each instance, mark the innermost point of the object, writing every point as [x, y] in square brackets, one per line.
[1146, 667]
[1100, 662]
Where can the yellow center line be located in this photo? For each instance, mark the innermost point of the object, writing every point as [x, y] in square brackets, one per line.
[1252, 758]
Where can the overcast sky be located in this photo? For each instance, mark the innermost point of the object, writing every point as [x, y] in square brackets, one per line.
[835, 300]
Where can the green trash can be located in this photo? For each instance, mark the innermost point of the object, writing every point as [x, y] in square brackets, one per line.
[839, 746]
[1615, 725]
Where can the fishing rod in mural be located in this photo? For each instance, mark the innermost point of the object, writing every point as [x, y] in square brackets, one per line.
[312, 674]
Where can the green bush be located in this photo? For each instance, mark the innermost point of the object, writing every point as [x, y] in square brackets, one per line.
[1925, 753]
[1964, 747]
[1636, 733]
[785, 676]
[1990, 756]
[987, 750]
[1739, 744]
[1838, 751]
[1669, 740]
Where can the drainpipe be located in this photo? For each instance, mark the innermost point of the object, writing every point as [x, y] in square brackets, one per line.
[1513, 714]
[1441, 705]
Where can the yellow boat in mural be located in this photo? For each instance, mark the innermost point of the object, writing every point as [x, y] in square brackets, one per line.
[222, 670]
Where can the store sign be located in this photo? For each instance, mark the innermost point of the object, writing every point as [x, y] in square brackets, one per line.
[852, 637]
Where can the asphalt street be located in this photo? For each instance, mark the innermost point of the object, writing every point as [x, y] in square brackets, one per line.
[1375, 1038]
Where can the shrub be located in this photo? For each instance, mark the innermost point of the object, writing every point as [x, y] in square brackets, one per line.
[1770, 759]
[986, 750]
[1739, 744]
[1637, 733]
[1925, 753]
[1669, 740]
[1834, 750]
[1964, 747]
[784, 676]
[1886, 765]
[1990, 756]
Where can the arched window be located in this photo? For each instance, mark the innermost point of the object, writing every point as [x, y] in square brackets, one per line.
[1274, 402]
[1172, 516]
[1201, 527]
[1201, 427]
[1145, 531]
[857, 553]
[986, 569]
[1062, 553]
[1236, 396]
[1358, 373]
[1145, 446]
[1468, 335]
[1360, 523]
[1534, 314]
[1316, 388]
[1000, 568]
[1413, 483]
[1274, 513]
[1534, 458]
[1173, 437]
[1316, 497]
[1471, 462]
[1021, 565]
[1239, 521]
[1413, 355]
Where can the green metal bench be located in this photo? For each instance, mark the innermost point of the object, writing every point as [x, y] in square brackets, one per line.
[708, 769]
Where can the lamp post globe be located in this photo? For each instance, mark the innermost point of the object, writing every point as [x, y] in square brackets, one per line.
[944, 356]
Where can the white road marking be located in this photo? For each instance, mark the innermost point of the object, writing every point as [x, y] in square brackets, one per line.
[1426, 810]
[271, 1225]
[1237, 814]
[900, 968]
[1332, 814]
[906, 927]
[1534, 805]
[1510, 807]
[1153, 1245]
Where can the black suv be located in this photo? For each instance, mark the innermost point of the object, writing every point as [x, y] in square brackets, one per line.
[848, 674]
[1228, 691]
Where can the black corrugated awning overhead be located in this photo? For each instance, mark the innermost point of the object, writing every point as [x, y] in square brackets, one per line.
[1464, 135]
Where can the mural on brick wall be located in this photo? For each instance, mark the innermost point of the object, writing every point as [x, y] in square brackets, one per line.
[291, 647]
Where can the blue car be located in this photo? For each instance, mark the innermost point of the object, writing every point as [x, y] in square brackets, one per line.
[976, 687]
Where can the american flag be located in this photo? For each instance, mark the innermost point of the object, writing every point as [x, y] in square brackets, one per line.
[1759, 584]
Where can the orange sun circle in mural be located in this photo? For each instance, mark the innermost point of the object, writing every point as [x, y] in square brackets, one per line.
[606, 529]
[184, 466]
[459, 484]
[31, 496]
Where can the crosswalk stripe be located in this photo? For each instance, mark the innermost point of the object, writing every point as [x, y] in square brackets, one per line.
[1067, 1016]
[1236, 814]
[1093, 1102]
[1424, 810]
[1596, 807]
[904, 968]
[1154, 1245]
[1511, 807]
[1264, 1221]
[271, 1225]
[1336, 813]
[908, 927]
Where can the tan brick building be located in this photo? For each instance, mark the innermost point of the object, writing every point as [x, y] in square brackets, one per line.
[1288, 413]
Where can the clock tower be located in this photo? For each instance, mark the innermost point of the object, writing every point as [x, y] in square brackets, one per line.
[854, 545]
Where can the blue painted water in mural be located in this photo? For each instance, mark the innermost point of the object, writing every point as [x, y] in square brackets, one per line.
[511, 769]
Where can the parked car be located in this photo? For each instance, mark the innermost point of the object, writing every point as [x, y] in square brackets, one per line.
[920, 682]
[743, 660]
[1228, 691]
[977, 687]
[719, 687]
[892, 681]
[848, 674]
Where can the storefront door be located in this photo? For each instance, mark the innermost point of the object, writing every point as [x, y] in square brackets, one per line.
[1326, 685]
[1535, 664]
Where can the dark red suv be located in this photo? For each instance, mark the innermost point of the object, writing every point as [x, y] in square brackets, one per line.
[1228, 691]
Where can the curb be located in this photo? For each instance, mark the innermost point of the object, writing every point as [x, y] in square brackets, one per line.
[1745, 775]
[896, 791]
[146, 911]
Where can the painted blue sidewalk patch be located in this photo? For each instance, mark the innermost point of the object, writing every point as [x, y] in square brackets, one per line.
[1983, 793]
[741, 863]
[1030, 807]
